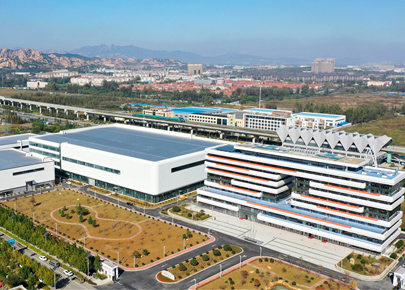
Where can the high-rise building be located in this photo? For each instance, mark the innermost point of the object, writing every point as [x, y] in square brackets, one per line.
[195, 69]
[322, 66]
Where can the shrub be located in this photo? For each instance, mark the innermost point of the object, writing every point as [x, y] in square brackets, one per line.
[219, 247]
[363, 261]
[227, 248]
[182, 267]
[294, 283]
[399, 244]
[260, 260]
[216, 253]
[266, 259]
[180, 277]
[349, 257]
[393, 255]
[357, 267]
[271, 260]
[194, 262]
[205, 258]
[359, 257]
[214, 260]
[189, 214]
[257, 271]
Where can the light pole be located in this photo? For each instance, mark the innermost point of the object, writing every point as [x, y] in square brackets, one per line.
[240, 261]
[56, 228]
[33, 217]
[220, 271]
[164, 251]
[195, 284]
[134, 262]
[88, 268]
[184, 244]
[144, 209]
[84, 241]
[260, 252]
[116, 193]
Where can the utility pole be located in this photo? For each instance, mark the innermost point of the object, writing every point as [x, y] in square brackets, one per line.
[260, 96]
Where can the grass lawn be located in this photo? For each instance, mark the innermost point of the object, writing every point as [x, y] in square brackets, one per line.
[190, 214]
[118, 231]
[265, 275]
[365, 264]
[393, 127]
[211, 260]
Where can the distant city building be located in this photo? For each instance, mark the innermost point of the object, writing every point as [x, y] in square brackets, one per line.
[266, 119]
[318, 121]
[63, 73]
[379, 83]
[322, 66]
[195, 69]
[156, 111]
[36, 84]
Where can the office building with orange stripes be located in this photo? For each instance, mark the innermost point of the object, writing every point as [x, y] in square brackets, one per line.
[333, 197]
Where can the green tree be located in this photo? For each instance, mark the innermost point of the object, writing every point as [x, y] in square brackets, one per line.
[136, 254]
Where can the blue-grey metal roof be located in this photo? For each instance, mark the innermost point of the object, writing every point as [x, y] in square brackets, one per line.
[11, 158]
[265, 110]
[326, 116]
[14, 138]
[147, 145]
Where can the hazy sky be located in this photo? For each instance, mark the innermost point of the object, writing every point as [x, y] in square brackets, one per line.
[370, 30]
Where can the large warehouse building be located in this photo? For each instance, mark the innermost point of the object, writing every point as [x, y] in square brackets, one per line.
[329, 196]
[20, 171]
[148, 164]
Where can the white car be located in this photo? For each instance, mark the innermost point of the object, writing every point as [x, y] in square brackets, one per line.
[43, 258]
[68, 273]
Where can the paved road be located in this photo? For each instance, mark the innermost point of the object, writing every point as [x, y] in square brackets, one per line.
[146, 279]
[64, 282]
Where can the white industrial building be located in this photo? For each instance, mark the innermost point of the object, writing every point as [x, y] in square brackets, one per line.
[20, 171]
[15, 141]
[148, 164]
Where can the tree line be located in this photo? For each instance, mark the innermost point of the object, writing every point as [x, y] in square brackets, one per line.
[23, 227]
[360, 114]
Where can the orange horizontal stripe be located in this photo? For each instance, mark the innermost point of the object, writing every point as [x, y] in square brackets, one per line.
[328, 201]
[249, 163]
[301, 215]
[352, 214]
[238, 188]
[349, 189]
[241, 175]
[230, 166]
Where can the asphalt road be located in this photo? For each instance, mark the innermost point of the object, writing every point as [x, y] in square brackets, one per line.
[146, 279]
[64, 282]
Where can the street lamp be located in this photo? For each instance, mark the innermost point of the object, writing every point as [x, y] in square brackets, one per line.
[88, 268]
[134, 262]
[184, 243]
[195, 284]
[260, 252]
[164, 251]
[240, 261]
[56, 228]
[116, 193]
[220, 271]
[84, 241]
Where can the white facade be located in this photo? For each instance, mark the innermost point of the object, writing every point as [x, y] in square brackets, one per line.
[318, 121]
[266, 119]
[151, 180]
[22, 172]
[36, 84]
[327, 196]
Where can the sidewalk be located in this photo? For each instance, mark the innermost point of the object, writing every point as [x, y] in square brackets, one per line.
[288, 243]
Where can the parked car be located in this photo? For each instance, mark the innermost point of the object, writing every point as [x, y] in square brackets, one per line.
[43, 258]
[54, 263]
[68, 273]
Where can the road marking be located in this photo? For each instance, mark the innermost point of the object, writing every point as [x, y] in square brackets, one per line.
[164, 265]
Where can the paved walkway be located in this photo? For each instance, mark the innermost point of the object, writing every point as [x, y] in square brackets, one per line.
[290, 244]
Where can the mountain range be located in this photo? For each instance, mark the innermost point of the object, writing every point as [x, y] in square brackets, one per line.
[106, 51]
[31, 58]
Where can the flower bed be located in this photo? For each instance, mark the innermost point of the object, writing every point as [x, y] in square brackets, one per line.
[364, 264]
[203, 261]
[182, 211]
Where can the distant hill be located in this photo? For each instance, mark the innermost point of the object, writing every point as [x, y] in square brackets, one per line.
[31, 58]
[129, 51]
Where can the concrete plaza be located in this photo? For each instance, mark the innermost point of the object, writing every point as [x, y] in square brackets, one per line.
[287, 243]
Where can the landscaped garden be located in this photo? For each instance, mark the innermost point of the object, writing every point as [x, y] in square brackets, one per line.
[111, 231]
[203, 261]
[365, 265]
[400, 248]
[266, 273]
[100, 190]
[183, 211]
